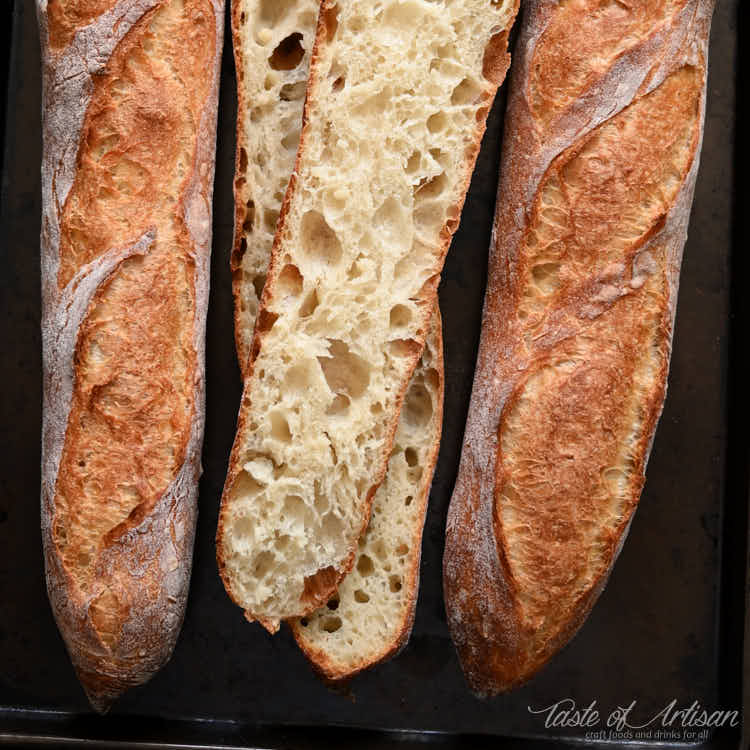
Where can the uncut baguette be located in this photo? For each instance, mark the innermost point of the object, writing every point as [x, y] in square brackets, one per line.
[598, 170]
[392, 125]
[375, 603]
[129, 117]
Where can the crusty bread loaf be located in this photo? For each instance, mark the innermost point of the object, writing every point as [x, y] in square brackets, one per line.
[599, 164]
[375, 603]
[129, 116]
[393, 121]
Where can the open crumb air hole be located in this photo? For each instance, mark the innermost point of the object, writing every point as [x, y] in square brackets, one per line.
[249, 221]
[288, 53]
[365, 566]
[331, 624]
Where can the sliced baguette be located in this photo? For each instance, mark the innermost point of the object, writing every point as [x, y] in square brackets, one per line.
[393, 121]
[370, 617]
[272, 51]
[599, 164]
[375, 604]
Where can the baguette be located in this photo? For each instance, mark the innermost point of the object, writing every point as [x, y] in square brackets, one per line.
[392, 126]
[599, 165]
[272, 52]
[375, 603]
[129, 122]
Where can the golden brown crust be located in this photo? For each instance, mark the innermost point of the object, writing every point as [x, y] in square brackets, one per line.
[138, 116]
[561, 72]
[592, 213]
[130, 97]
[65, 17]
[426, 299]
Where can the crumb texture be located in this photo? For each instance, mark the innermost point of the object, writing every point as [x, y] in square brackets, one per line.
[273, 46]
[370, 616]
[393, 123]
[573, 361]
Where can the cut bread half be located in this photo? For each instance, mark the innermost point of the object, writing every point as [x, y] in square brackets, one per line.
[396, 105]
[370, 618]
[272, 50]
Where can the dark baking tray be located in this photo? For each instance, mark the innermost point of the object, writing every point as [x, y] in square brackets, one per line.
[668, 626]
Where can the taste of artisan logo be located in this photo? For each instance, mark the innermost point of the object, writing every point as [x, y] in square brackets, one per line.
[673, 722]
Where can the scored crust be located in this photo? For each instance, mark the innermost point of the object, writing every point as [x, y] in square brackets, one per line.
[129, 116]
[252, 567]
[600, 160]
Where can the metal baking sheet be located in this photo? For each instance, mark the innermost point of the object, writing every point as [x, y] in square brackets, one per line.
[668, 627]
